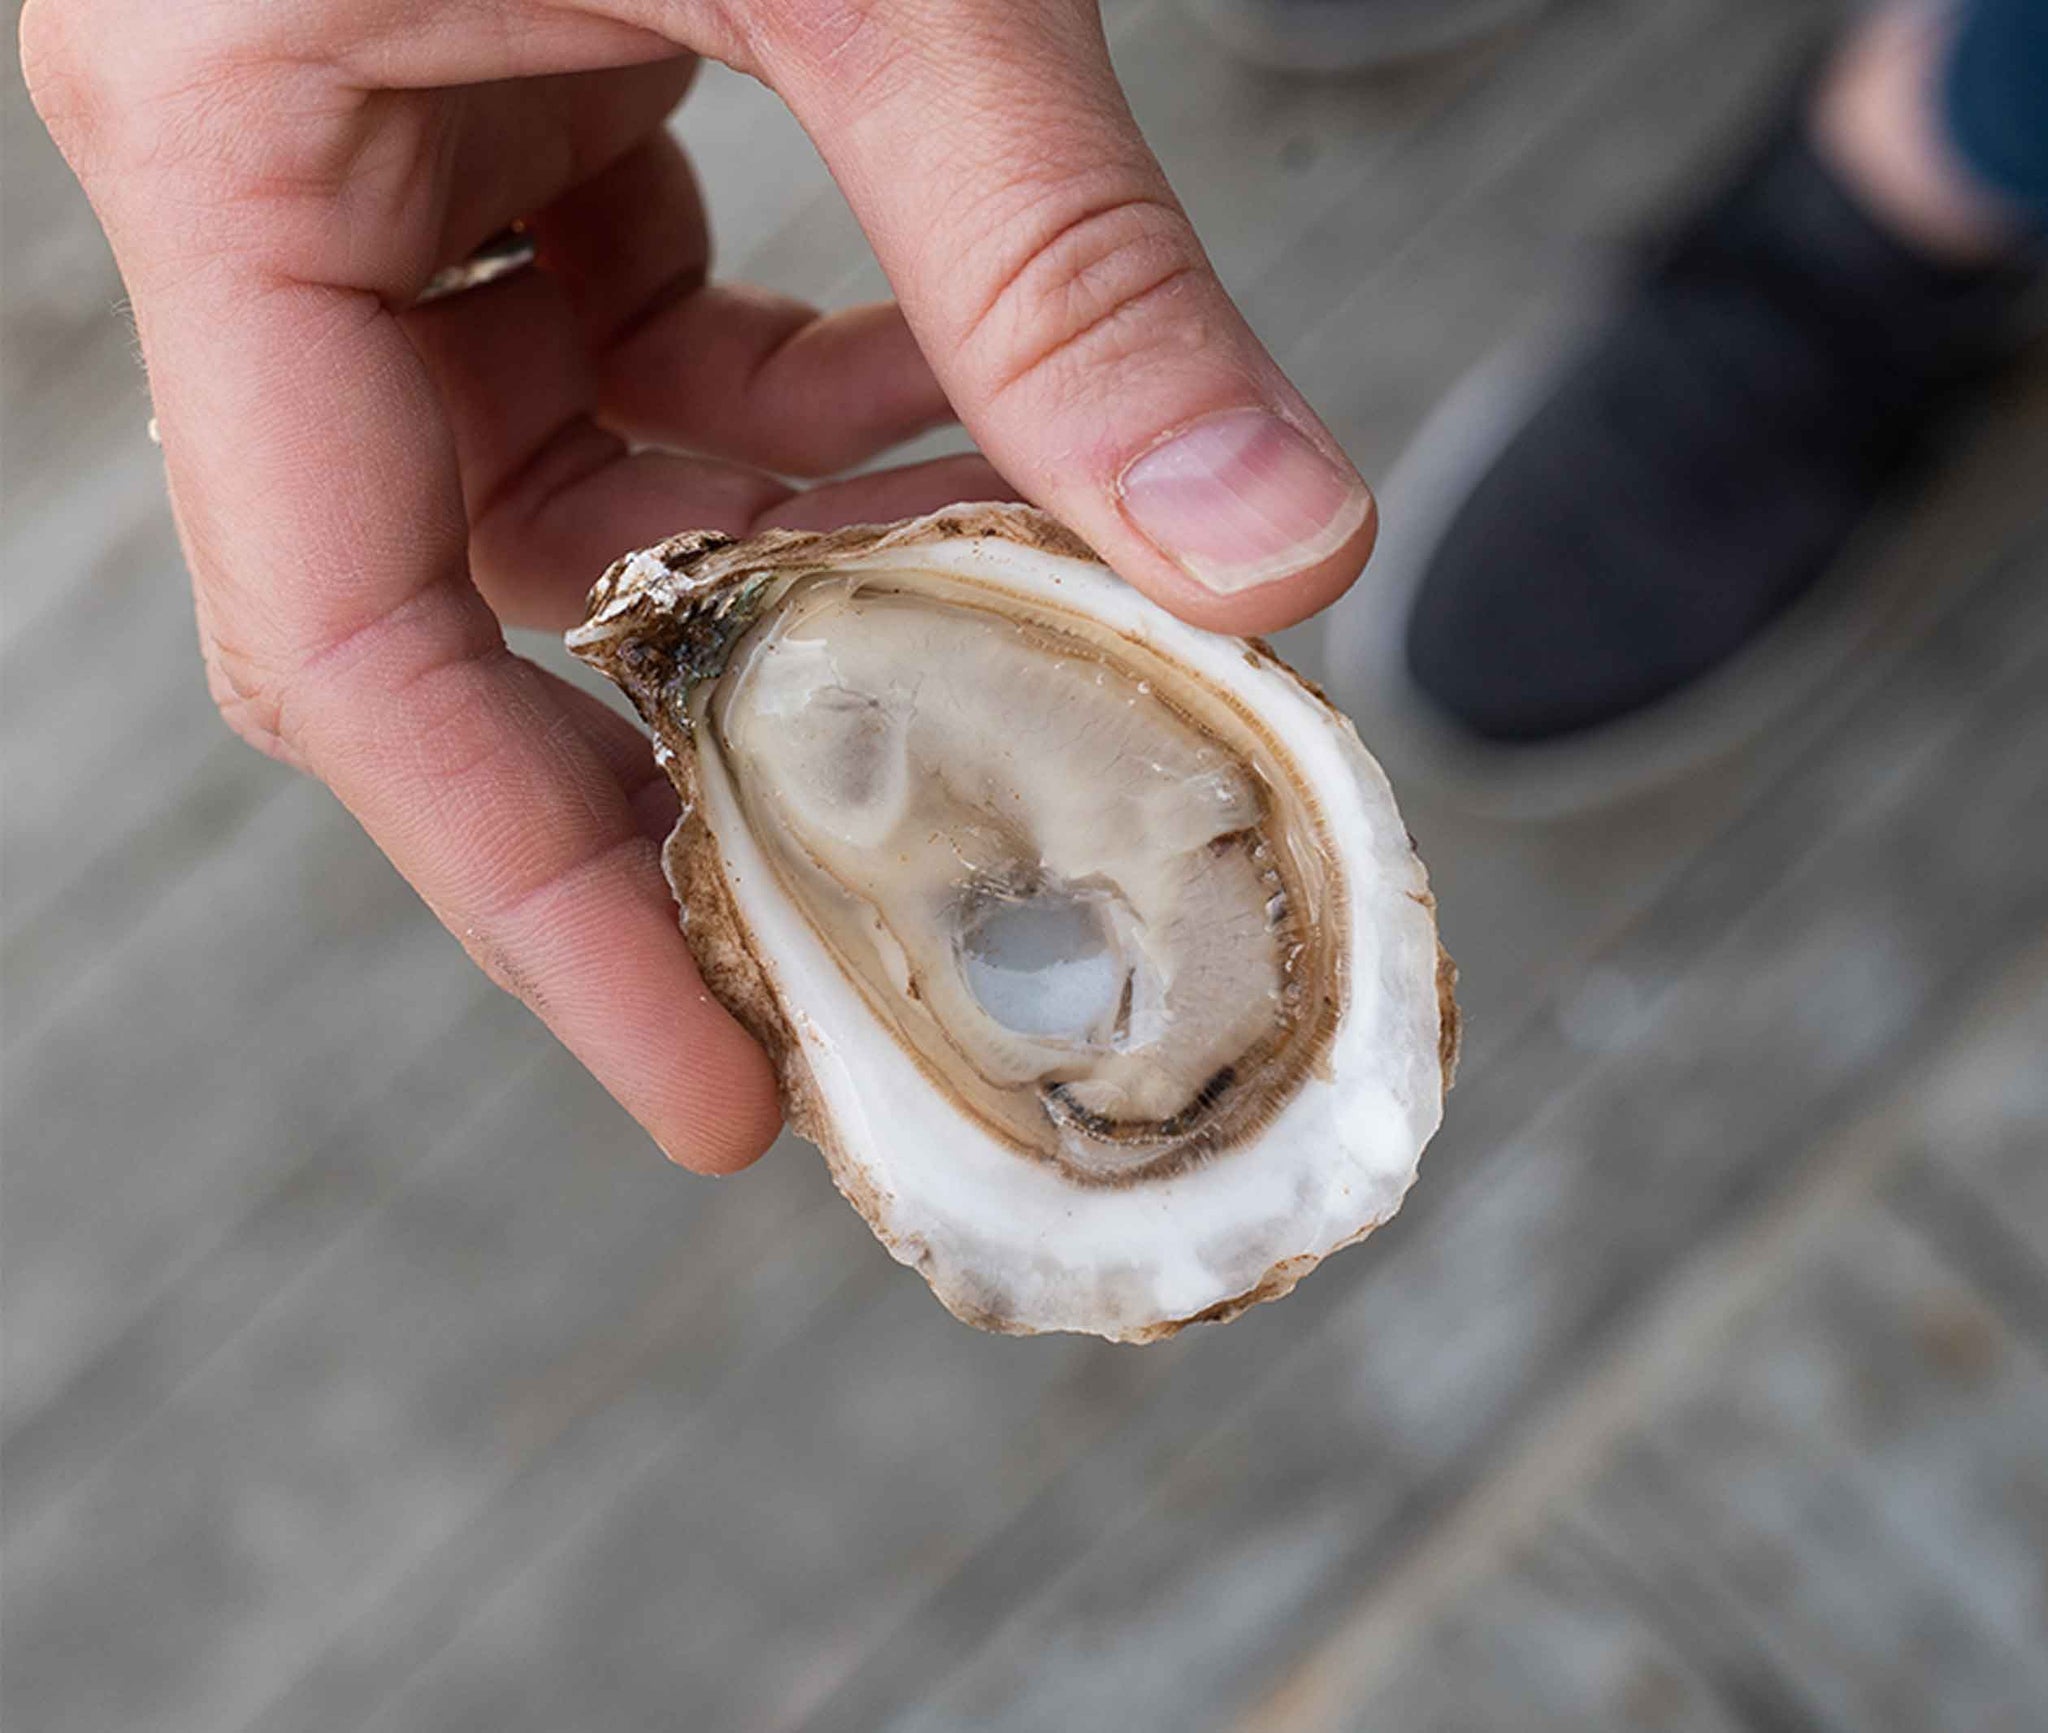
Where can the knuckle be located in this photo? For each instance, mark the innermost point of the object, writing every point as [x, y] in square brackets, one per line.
[63, 82]
[250, 701]
[499, 966]
[843, 37]
[128, 89]
[1081, 291]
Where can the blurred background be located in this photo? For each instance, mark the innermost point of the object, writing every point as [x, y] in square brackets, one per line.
[367, 1370]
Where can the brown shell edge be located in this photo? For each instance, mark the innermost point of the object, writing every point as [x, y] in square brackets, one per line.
[735, 976]
[1282, 1279]
[1450, 1020]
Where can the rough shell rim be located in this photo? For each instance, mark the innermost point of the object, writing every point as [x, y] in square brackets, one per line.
[647, 592]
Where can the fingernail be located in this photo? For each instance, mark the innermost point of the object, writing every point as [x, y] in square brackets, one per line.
[1242, 499]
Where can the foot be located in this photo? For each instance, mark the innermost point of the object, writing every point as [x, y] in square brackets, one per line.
[1703, 461]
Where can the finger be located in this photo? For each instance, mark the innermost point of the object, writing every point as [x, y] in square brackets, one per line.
[759, 377]
[553, 498]
[518, 145]
[1068, 309]
[317, 493]
[625, 753]
[724, 368]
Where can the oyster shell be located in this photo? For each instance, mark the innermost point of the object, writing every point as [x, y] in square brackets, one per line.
[1089, 946]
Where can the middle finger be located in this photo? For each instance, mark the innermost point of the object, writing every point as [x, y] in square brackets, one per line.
[720, 368]
[552, 496]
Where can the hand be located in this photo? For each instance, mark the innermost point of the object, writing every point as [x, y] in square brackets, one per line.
[364, 492]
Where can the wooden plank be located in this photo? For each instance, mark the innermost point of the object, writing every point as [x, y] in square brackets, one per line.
[149, 1105]
[71, 444]
[103, 725]
[91, 1404]
[1267, 164]
[1990, 1135]
[536, 1289]
[1550, 1644]
[1851, 1496]
[746, 1566]
[109, 861]
[66, 520]
[1542, 1219]
[59, 286]
[1501, 213]
[1258, 159]
[1665, 1352]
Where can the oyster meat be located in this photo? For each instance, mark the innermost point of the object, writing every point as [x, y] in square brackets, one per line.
[1089, 946]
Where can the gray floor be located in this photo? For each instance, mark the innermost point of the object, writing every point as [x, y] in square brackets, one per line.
[366, 1370]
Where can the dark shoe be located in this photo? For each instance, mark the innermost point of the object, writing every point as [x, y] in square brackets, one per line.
[1751, 402]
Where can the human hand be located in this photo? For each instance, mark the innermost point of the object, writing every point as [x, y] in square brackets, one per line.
[366, 489]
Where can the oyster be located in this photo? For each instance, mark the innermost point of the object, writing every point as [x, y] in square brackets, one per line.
[1089, 946]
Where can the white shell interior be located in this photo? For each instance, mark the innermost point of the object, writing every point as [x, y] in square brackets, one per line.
[1015, 1243]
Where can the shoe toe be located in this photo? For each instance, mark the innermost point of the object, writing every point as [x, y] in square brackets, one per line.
[1638, 531]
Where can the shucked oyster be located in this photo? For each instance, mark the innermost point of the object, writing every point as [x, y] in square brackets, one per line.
[1089, 946]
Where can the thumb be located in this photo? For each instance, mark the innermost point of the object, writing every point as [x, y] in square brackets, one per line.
[1061, 295]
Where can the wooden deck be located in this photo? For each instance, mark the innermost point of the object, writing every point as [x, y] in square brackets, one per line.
[366, 1372]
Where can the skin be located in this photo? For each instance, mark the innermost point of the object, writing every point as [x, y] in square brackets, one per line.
[368, 494]
[1877, 118]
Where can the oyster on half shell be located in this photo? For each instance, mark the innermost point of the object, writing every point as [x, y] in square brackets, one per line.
[1089, 946]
